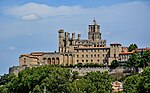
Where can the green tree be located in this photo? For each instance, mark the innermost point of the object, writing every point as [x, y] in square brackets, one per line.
[4, 79]
[93, 82]
[114, 64]
[37, 89]
[139, 83]
[134, 62]
[131, 84]
[102, 81]
[56, 80]
[145, 58]
[139, 60]
[3, 89]
[81, 86]
[144, 86]
[75, 75]
[34, 79]
[132, 47]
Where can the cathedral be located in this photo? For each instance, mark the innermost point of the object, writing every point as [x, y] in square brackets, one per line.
[76, 50]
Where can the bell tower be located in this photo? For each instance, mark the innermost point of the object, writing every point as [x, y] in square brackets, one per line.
[94, 32]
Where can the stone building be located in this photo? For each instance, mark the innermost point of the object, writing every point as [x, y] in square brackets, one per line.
[76, 50]
[124, 56]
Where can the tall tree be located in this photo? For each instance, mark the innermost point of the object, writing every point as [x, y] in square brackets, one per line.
[132, 47]
[145, 58]
[134, 60]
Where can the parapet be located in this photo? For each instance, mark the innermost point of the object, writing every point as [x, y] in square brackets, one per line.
[61, 31]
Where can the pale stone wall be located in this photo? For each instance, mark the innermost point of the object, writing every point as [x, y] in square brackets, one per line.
[76, 50]
[84, 71]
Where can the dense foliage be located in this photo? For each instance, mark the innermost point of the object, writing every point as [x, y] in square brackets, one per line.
[93, 82]
[139, 83]
[141, 59]
[114, 64]
[132, 47]
[55, 79]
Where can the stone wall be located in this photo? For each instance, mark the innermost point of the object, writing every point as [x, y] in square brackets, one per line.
[82, 71]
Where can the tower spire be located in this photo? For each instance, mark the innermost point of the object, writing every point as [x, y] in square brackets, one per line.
[94, 21]
[94, 31]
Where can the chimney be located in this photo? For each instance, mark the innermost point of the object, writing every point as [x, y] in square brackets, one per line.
[73, 36]
[79, 35]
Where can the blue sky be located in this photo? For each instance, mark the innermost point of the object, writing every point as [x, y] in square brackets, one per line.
[31, 25]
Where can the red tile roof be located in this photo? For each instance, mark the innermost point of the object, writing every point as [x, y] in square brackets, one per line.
[125, 53]
[143, 49]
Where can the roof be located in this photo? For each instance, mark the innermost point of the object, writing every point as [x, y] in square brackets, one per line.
[115, 44]
[143, 49]
[27, 55]
[37, 53]
[125, 53]
[92, 48]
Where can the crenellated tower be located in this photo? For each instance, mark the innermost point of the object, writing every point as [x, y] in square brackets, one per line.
[94, 32]
[61, 40]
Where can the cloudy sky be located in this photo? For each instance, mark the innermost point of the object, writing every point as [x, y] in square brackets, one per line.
[31, 25]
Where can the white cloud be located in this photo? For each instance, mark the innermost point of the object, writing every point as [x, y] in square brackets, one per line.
[107, 13]
[31, 10]
[11, 48]
[118, 22]
[30, 17]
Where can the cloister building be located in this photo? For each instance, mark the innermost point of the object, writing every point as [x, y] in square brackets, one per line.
[76, 50]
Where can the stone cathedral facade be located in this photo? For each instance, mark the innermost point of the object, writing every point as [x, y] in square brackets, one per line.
[76, 50]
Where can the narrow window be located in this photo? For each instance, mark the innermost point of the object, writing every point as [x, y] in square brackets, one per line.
[114, 55]
[97, 55]
[82, 55]
[91, 55]
[86, 60]
[86, 55]
[103, 55]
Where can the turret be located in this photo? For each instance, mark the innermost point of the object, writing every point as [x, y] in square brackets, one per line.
[61, 38]
[73, 36]
[79, 35]
[67, 35]
[94, 32]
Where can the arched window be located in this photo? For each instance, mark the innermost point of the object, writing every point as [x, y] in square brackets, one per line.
[49, 61]
[57, 61]
[53, 61]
